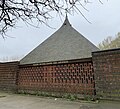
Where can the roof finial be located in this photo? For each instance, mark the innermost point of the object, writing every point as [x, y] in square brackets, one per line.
[66, 22]
[66, 12]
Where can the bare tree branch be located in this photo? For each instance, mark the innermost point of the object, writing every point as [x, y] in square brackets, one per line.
[11, 11]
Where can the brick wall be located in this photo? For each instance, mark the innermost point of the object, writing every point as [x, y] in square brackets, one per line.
[69, 77]
[107, 73]
[73, 76]
[8, 76]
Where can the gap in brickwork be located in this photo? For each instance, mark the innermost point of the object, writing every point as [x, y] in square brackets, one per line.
[70, 78]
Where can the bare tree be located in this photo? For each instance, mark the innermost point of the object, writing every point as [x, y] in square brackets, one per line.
[11, 11]
[11, 58]
[110, 42]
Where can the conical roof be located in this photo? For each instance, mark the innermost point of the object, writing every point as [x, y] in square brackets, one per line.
[65, 44]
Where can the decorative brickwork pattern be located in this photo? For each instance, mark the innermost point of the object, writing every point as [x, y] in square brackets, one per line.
[107, 73]
[76, 77]
[98, 76]
[8, 76]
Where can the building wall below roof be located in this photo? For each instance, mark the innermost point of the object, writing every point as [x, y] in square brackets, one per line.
[72, 77]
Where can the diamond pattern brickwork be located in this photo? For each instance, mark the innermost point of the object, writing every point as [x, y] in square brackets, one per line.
[68, 77]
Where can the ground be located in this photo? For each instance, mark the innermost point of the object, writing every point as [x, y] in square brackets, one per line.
[17, 101]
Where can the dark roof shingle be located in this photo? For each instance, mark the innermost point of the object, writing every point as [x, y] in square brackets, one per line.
[65, 44]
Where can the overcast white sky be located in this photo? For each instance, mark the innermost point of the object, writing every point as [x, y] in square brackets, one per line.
[105, 21]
